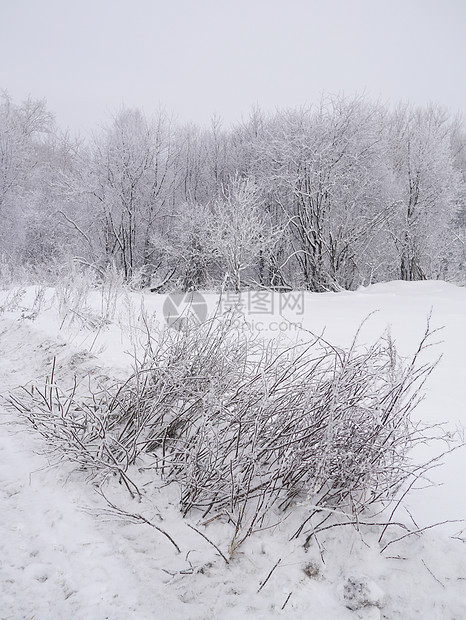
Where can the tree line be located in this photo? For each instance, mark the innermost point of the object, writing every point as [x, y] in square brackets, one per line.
[328, 197]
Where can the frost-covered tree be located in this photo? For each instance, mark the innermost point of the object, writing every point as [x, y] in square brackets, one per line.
[26, 158]
[326, 172]
[427, 187]
[358, 193]
[22, 128]
[126, 180]
[222, 239]
[193, 183]
[240, 231]
[187, 248]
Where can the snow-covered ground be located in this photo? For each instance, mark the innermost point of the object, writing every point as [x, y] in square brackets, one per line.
[64, 556]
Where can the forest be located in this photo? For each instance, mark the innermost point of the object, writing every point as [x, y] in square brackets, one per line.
[331, 197]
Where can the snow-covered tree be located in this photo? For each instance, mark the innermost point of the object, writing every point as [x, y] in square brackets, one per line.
[427, 188]
[126, 180]
[326, 172]
[358, 193]
[187, 248]
[240, 230]
[26, 158]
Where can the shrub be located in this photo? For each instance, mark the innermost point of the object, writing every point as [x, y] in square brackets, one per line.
[245, 427]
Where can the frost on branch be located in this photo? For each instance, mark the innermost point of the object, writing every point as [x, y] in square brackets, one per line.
[246, 428]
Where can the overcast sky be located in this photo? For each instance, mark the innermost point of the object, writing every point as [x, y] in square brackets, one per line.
[202, 57]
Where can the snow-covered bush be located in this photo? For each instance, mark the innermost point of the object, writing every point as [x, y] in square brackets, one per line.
[75, 427]
[247, 429]
[73, 292]
[12, 300]
[244, 427]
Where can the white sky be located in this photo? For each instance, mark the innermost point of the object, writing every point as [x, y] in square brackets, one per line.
[197, 58]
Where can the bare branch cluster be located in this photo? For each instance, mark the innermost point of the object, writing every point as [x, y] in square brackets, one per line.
[248, 429]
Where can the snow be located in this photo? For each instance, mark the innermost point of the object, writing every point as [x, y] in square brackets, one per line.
[64, 556]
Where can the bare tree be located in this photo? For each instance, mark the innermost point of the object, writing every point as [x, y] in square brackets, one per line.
[326, 172]
[427, 186]
[358, 193]
[24, 156]
[127, 181]
[239, 229]
[188, 249]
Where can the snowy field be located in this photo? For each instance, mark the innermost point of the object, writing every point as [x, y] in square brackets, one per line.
[65, 555]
